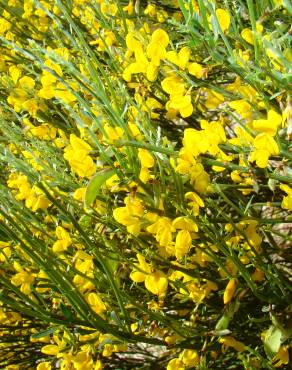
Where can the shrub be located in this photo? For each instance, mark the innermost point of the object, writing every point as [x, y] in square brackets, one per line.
[145, 201]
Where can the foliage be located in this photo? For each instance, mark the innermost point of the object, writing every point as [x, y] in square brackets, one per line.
[145, 200]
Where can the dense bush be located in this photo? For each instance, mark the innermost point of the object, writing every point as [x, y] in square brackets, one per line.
[145, 198]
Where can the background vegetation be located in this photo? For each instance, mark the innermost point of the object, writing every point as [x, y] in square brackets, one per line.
[145, 167]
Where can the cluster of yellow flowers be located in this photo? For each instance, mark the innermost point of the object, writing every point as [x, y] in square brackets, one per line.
[33, 196]
[144, 143]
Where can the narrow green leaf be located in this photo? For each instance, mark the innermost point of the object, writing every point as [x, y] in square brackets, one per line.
[67, 313]
[223, 322]
[94, 185]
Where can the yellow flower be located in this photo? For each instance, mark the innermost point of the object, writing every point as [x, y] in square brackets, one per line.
[82, 361]
[282, 357]
[247, 35]
[20, 183]
[161, 37]
[79, 144]
[173, 85]
[243, 137]
[156, 50]
[52, 88]
[223, 19]
[79, 194]
[258, 275]
[181, 103]
[192, 287]
[162, 16]
[163, 230]
[112, 133]
[108, 9]
[47, 92]
[96, 303]
[229, 341]
[139, 275]
[243, 108]
[215, 133]
[9, 317]
[265, 146]
[130, 215]
[195, 141]
[195, 202]
[183, 243]
[37, 200]
[50, 349]
[181, 58]
[48, 79]
[23, 278]
[56, 349]
[77, 156]
[31, 106]
[244, 179]
[199, 178]
[196, 69]
[98, 365]
[184, 223]
[44, 366]
[155, 281]
[175, 364]
[269, 125]
[16, 98]
[145, 175]
[151, 10]
[151, 72]
[145, 158]
[185, 161]
[44, 131]
[151, 105]
[190, 357]
[229, 291]
[15, 73]
[129, 8]
[213, 98]
[201, 258]
[139, 66]
[249, 229]
[26, 83]
[278, 2]
[108, 349]
[54, 67]
[4, 26]
[135, 132]
[63, 242]
[287, 201]
[5, 251]
[63, 92]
